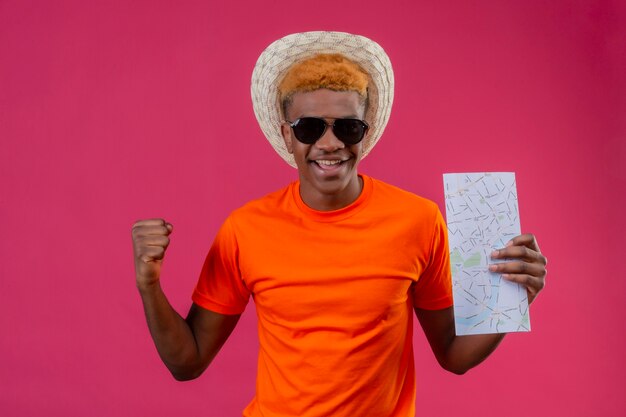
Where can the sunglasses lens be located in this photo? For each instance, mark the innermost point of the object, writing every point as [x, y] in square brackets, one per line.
[350, 131]
[309, 129]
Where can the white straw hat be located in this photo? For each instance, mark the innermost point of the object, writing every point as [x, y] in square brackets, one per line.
[276, 60]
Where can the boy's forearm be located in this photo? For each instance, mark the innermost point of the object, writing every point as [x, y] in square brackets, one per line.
[172, 335]
[457, 354]
[465, 352]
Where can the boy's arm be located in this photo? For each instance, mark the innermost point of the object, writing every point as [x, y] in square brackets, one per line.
[458, 354]
[186, 346]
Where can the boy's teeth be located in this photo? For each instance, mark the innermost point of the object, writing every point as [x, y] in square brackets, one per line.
[324, 162]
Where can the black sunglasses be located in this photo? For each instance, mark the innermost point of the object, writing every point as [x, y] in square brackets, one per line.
[309, 129]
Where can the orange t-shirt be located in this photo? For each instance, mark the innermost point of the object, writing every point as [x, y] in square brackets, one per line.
[334, 293]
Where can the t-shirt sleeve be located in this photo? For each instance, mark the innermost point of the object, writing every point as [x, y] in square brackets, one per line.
[220, 287]
[433, 289]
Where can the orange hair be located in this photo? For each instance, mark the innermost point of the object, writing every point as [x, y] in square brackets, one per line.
[332, 71]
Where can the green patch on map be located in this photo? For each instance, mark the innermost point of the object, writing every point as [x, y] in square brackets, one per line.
[472, 261]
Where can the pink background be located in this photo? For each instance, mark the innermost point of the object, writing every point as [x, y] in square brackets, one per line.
[114, 111]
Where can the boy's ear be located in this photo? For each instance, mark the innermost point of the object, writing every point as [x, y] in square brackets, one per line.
[285, 130]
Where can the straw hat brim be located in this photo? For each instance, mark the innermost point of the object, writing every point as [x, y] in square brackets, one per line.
[277, 58]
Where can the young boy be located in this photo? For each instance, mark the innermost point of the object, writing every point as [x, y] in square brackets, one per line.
[337, 262]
